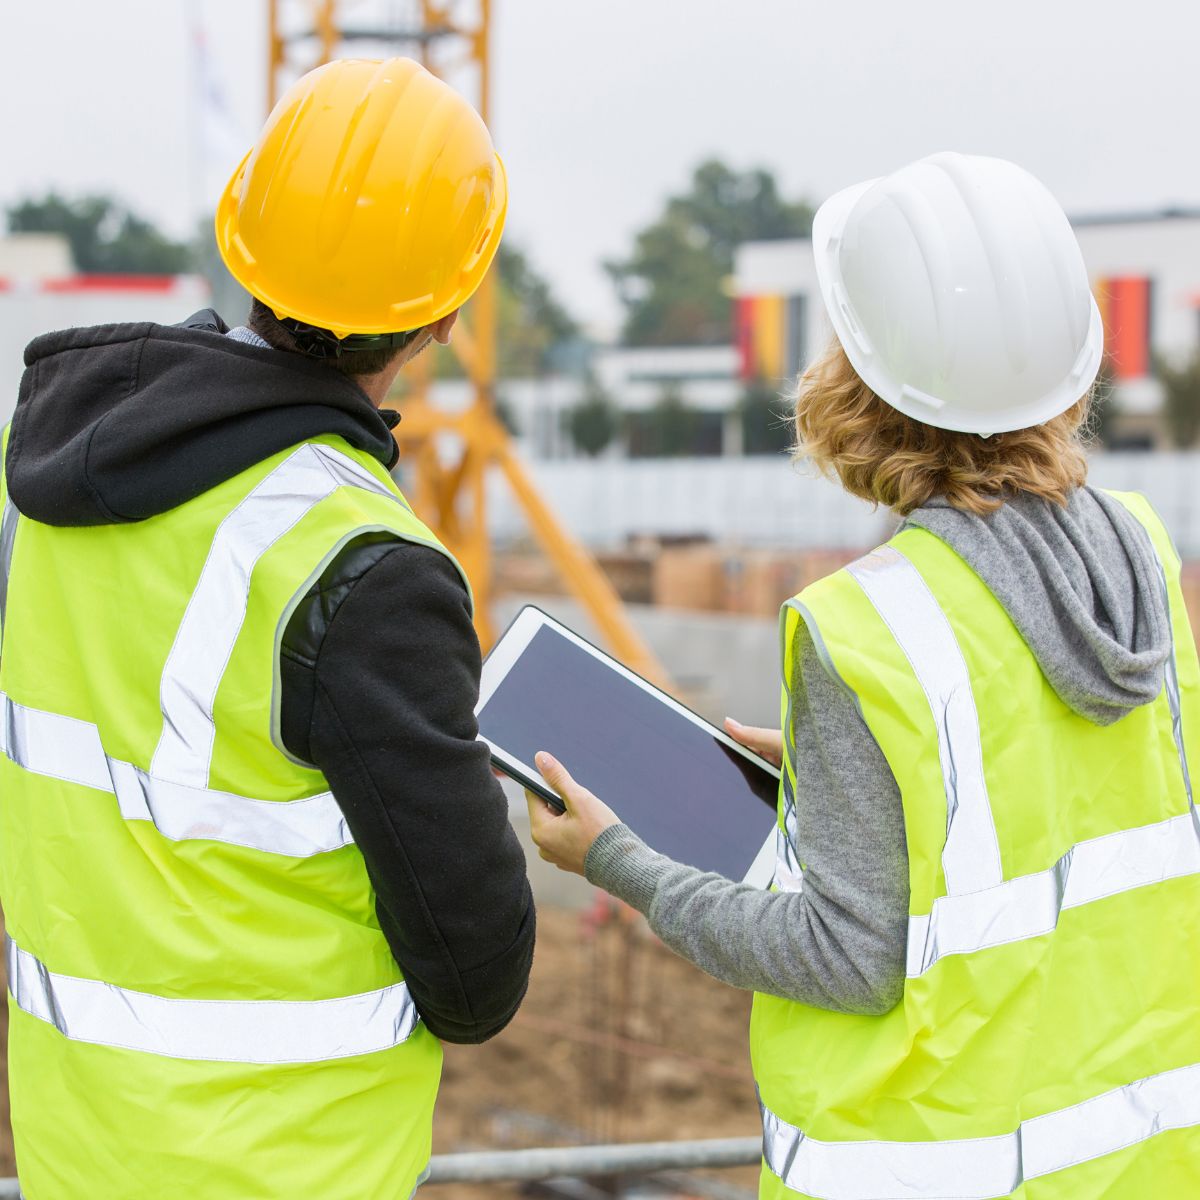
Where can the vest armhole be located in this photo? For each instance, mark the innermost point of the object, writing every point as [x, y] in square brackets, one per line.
[294, 602]
[809, 620]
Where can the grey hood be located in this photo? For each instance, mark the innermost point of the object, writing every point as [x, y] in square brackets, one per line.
[1083, 587]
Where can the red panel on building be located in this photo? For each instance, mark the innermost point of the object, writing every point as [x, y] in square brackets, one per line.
[743, 335]
[110, 283]
[1126, 306]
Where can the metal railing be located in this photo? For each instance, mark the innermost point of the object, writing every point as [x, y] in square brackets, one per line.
[626, 1158]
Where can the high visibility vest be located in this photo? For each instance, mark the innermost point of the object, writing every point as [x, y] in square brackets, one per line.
[1048, 1042]
[201, 1001]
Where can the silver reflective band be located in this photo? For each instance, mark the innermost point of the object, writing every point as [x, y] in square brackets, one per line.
[1171, 684]
[244, 1031]
[1029, 905]
[983, 1168]
[971, 857]
[8, 533]
[789, 875]
[210, 626]
[59, 747]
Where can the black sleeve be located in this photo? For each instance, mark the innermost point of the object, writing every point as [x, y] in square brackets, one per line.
[380, 667]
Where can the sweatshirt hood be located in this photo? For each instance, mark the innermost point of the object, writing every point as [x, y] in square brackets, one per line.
[117, 423]
[1082, 584]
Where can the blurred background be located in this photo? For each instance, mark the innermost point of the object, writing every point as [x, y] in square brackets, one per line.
[616, 446]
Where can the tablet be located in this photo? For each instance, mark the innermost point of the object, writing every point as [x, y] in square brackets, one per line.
[682, 785]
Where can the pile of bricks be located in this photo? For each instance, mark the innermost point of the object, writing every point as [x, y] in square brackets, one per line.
[708, 577]
[738, 580]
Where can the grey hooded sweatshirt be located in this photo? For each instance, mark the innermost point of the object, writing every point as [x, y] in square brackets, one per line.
[1081, 585]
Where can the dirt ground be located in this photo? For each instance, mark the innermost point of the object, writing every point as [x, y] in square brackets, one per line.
[670, 1063]
[618, 1040]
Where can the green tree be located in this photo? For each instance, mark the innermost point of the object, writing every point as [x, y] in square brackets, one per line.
[1182, 408]
[594, 421]
[105, 236]
[673, 284]
[530, 320]
[766, 424]
[668, 430]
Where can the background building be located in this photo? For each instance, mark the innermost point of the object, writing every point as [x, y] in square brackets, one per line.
[40, 290]
[1145, 270]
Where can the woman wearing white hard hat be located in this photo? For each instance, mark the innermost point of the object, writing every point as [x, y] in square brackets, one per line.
[978, 970]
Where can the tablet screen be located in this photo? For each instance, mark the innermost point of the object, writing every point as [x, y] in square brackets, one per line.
[669, 779]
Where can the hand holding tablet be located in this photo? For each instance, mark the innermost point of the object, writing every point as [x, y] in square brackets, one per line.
[688, 789]
[564, 835]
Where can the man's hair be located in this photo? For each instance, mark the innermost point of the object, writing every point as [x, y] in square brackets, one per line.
[881, 455]
[367, 360]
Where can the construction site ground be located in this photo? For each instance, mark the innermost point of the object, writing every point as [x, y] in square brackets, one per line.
[618, 1040]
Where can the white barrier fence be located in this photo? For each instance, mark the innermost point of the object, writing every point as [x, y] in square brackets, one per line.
[769, 502]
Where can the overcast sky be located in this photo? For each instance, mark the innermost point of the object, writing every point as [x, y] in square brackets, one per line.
[601, 107]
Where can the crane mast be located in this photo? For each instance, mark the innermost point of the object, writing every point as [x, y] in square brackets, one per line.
[450, 492]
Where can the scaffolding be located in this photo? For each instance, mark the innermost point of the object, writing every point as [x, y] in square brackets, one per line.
[452, 455]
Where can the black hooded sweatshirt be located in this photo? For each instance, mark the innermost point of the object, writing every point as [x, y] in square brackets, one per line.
[379, 663]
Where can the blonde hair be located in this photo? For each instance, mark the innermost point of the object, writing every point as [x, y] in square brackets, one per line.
[878, 453]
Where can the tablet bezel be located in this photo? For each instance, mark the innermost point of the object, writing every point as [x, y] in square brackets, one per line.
[514, 641]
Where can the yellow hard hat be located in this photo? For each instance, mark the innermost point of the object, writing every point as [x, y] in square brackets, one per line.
[373, 202]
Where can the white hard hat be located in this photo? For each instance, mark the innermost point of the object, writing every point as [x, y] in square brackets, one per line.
[958, 291]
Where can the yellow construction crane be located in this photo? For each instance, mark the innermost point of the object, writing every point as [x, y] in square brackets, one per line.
[451, 496]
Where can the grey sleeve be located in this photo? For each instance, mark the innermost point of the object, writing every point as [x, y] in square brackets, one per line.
[839, 943]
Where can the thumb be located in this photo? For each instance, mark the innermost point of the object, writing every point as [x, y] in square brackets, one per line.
[555, 774]
[748, 735]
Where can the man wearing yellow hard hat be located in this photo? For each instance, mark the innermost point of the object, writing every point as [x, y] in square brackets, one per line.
[252, 859]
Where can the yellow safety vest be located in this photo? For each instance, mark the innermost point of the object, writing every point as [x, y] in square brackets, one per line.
[202, 1003]
[1048, 1042]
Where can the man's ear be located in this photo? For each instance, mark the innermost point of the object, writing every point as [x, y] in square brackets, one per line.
[441, 329]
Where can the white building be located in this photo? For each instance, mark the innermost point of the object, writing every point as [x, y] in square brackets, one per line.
[705, 379]
[40, 291]
[1145, 268]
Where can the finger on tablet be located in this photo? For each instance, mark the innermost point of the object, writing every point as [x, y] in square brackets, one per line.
[554, 773]
[766, 742]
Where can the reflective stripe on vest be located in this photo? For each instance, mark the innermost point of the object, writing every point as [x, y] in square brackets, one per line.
[215, 613]
[971, 858]
[47, 743]
[992, 914]
[246, 1031]
[8, 532]
[174, 794]
[983, 1168]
